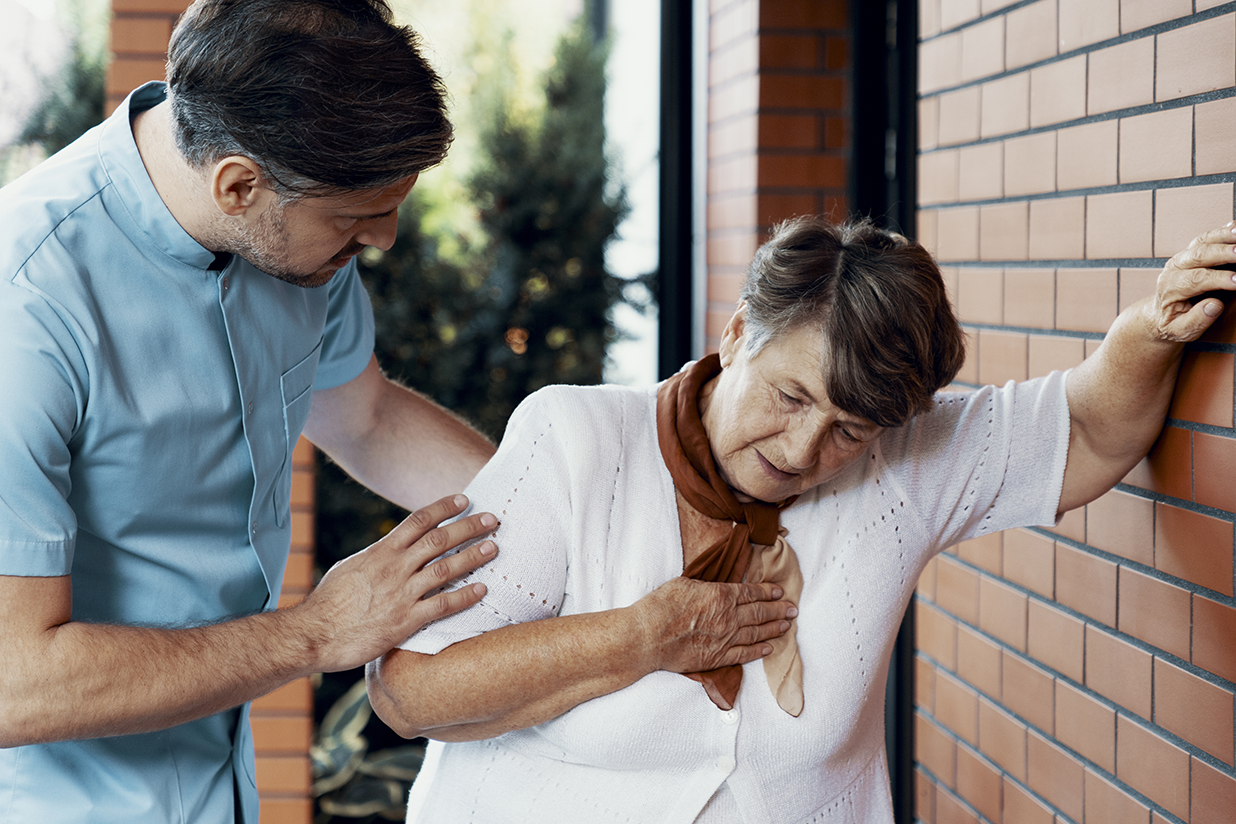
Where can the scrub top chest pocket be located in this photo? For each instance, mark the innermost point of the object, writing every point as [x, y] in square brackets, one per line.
[296, 385]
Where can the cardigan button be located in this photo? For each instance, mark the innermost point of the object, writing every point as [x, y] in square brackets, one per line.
[725, 763]
[730, 717]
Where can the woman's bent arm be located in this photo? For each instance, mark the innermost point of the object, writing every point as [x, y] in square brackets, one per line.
[522, 675]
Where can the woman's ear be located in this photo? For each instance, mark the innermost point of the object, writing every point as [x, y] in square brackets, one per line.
[734, 336]
[236, 186]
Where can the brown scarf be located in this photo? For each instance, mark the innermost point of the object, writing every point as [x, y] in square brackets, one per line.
[754, 544]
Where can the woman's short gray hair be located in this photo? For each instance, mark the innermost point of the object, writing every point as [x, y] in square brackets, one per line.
[891, 340]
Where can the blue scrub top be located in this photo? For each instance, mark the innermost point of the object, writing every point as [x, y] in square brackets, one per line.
[148, 411]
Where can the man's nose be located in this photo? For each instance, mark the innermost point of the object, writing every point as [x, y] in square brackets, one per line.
[380, 232]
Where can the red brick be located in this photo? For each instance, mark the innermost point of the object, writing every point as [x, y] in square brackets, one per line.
[1213, 797]
[149, 6]
[140, 35]
[1196, 710]
[1085, 299]
[1030, 164]
[1140, 14]
[1058, 92]
[283, 773]
[799, 170]
[1056, 639]
[822, 14]
[1158, 769]
[786, 131]
[1005, 105]
[957, 707]
[789, 51]
[774, 208]
[924, 797]
[1086, 583]
[959, 116]
[1031, 34]
[281, 734]
[836, 53]
[125, 74]
[1055, 775]
[1136, 284]
[1084, 22]
[1214, 136]
[1157, 146]
[1028, 691]
[1155, 612]
[985, 552]
[1002, 738]
[978, 661]
[980, 170]
[1204, 389]
[936, 634]
[1004, 231]
[1086, 726]
[1022, 808]
[1168, 469]
[978, 783]
[1002, 612]
[1029, 560]
[1197, 58]
[1119, 671]
[958, 233]
[924, 684]
[1119, 225]
[957, 589]
[1086, 155]
[304, 455]
[1030, 297]
[1108, 804]
[1214, 627]
[952, 810]
[1194, 547]
[982, 49]
[939, 63]
[798, 91]
[1214, 457]
[1057, 228]
[1184, 213]
[296, 696]
[953, 13]
[1123, 525]
[1049, 354]
[1122, 76]
[935, 749]
[276, 810]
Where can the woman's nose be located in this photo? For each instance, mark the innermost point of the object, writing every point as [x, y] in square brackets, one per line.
[802, 448]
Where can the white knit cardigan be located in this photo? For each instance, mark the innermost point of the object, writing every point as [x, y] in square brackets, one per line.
[589, 522]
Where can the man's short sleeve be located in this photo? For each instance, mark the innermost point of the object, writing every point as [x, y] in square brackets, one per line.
[40, 406]
[347, 342]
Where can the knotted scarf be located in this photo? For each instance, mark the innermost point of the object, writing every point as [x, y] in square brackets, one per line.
[754, 548]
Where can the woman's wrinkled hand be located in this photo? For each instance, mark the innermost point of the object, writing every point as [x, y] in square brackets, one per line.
[1176, 313]
[694, 626]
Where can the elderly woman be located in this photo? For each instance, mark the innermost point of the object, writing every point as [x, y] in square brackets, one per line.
[812, 454]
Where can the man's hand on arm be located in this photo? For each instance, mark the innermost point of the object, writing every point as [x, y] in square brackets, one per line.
[395, 441]
[522, 675]
[1119, 397]
[64, 679]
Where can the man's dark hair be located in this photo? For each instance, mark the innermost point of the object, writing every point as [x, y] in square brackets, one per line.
[891, 340]
[326, 96]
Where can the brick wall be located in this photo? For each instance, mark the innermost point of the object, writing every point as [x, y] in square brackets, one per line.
[778, 130]
[1083, 673]
[282, 721]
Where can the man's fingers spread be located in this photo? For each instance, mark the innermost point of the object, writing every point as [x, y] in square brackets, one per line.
[437, 541]
[428, 517]
[448, 603]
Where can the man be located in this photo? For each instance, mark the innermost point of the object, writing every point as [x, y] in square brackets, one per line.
[178, 301]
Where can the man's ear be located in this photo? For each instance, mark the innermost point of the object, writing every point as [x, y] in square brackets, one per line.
[732, 339]
[237, 186]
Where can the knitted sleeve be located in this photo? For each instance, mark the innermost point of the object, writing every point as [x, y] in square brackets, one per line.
[984, 461]
[527, 485]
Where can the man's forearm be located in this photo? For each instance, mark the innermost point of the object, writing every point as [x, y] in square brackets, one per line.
[82, 680]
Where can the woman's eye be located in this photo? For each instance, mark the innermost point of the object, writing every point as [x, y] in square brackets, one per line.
[847, 435]
[789, 399]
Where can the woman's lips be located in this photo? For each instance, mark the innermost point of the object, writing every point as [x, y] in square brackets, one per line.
[773, 471]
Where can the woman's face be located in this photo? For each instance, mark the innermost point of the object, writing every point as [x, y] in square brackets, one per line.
[772, 429]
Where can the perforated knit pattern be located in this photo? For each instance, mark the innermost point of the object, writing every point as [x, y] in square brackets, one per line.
[659, 750]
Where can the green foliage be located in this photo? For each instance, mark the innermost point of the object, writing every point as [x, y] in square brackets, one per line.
[481, 328]
[477, 325]
[73, 100]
